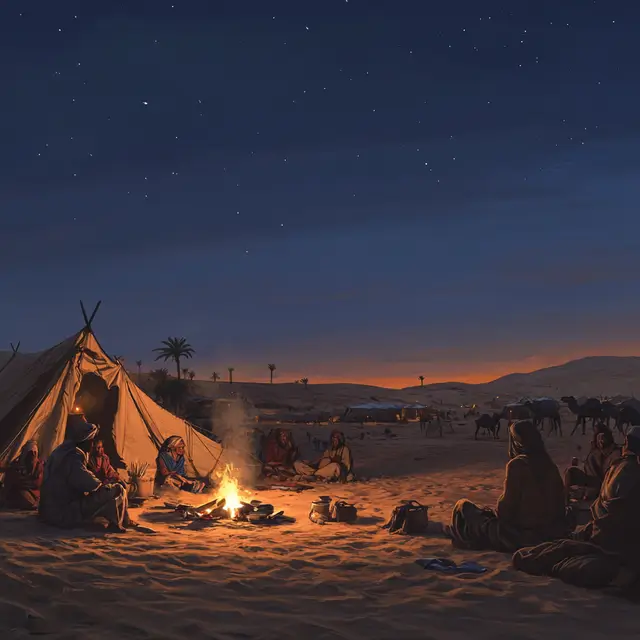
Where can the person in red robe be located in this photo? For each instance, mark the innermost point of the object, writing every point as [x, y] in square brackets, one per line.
[281, 456]
[100, 465]
[23, 479]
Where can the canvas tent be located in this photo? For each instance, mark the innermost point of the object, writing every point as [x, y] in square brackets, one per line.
[381, 412]
[38, 392]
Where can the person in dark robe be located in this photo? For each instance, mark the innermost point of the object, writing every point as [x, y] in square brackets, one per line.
[71, 495]
[531, 508]
[281, 457]
[23, 479]
[615, 514]
[604, 452]
[171, 469]
[604, 552]
[100, 465]
[336, 462]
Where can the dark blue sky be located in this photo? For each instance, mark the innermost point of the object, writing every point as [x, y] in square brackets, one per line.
[361, 190]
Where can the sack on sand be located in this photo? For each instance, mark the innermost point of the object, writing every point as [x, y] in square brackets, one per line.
[341, 511]
[409, 518]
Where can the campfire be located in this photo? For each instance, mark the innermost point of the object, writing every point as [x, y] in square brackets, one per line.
[230, 505]
[229, 493]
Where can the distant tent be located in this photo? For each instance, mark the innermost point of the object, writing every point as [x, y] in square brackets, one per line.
[38, 392]
[381, 412]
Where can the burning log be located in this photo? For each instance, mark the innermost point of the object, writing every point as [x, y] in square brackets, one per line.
[229, 506]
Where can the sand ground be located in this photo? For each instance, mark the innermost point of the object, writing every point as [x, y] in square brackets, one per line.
[301, 580]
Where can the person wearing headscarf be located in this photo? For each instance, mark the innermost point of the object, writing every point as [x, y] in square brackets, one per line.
[100, 465]
[605, 551]
[531, 508]
[615, 514]
[604, 452]
[171, 469]
[337, 461]
[281, 456]
[23, 479]
[71, 495]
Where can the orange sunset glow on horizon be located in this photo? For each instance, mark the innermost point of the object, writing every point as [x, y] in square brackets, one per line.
[399, 375]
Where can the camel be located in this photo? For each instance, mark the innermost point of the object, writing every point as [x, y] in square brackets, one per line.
[590, 409]
[546, 409]
[470, 411]
[429, 416]
[628, 416]
[609, 411]
[490, 423]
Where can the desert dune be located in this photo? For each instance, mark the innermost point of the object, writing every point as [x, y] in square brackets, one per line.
[300, 580]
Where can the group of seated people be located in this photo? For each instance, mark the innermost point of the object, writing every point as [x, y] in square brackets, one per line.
[533, 518]
[281, 459]
[78, 484]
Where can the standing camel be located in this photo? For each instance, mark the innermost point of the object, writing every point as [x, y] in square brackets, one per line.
[490, 423]
[609, 411]
[546, 409]
[590, 409]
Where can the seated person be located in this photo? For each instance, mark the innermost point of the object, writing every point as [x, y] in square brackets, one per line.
[337, 461]
[604, 452]
[71, 495]
[23, 479]
[100, 465]
[170, 467]
[531, 508]
[281, 456]
[615, 516]
[605, 551]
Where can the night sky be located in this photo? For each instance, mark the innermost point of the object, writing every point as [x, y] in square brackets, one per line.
[353, 190]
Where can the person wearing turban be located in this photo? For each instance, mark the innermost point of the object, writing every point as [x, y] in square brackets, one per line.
[337, 461]
[171, 467]
[72, 496]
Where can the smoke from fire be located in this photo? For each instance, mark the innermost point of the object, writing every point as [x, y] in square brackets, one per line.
[234, 424]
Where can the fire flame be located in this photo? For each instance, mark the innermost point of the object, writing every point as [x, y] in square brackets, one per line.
[230, 491]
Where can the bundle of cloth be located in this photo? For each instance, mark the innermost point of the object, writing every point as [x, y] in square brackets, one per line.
[605, 551]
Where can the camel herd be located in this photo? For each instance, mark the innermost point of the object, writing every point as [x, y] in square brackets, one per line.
[623, 414]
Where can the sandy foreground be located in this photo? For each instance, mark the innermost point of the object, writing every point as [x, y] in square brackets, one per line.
[301, 581]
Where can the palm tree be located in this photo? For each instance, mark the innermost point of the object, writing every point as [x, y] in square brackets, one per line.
[272, 368]
[305, 382]
[185, 372]
[139, 365]
[230, 370]
[175, 349]
[215, 376]
[192, 375]
[421, 378]
[159, 375]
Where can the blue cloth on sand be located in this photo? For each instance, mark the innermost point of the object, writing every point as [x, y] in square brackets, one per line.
[449, 566]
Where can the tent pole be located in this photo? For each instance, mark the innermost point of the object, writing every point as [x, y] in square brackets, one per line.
[89, 319]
